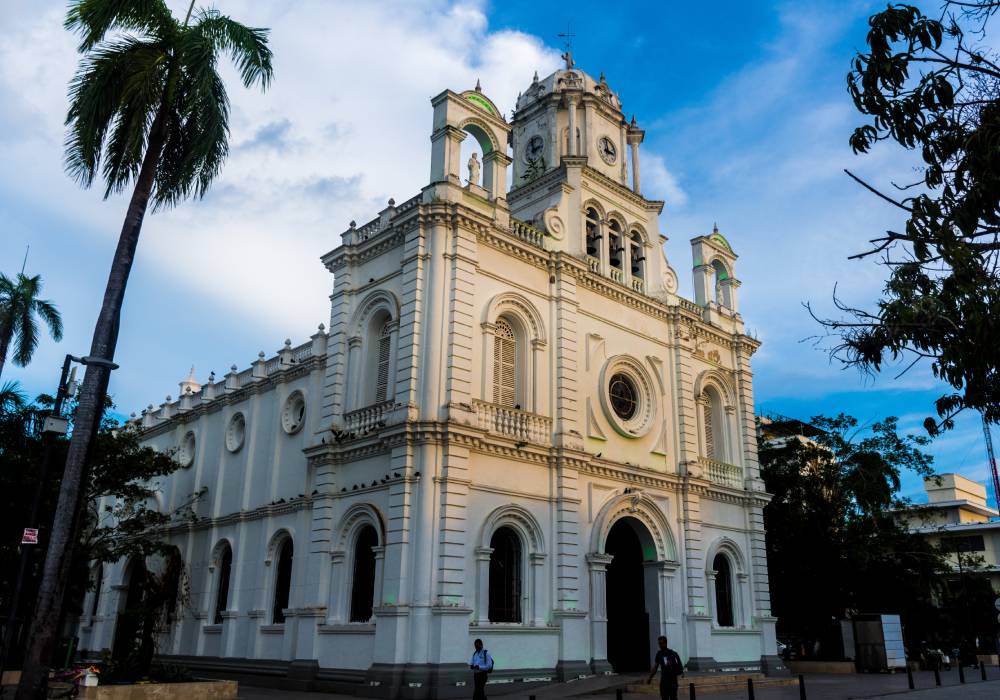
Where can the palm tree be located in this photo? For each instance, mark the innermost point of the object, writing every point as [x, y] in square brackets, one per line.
[19, 305]
[148, 108]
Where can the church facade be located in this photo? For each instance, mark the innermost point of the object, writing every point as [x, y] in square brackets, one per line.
[514, 430]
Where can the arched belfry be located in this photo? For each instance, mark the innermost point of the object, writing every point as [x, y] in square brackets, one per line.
[715, 282]
[455, 117]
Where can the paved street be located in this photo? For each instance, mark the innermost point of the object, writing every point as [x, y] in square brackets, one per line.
[818, 687]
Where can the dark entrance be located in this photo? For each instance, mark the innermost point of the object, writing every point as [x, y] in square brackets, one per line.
[128, 625]
[628, 619]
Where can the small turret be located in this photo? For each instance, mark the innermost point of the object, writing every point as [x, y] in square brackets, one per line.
[715, 282]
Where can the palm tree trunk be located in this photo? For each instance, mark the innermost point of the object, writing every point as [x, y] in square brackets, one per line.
[90, 409]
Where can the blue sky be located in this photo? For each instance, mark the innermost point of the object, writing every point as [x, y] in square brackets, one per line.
[746, 119]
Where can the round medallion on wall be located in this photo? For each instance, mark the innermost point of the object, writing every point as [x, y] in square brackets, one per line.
[185, 451]
[293, 415]
[627, 396]
[236, 432]
[609, 152]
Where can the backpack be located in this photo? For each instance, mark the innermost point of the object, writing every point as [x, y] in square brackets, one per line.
[492, 663]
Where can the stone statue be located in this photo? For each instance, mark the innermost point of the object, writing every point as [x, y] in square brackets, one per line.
[568, 57]
[474, 170]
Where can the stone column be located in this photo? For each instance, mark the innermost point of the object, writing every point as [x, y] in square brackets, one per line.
[489, 352]
[335, 602]
[635, 166]
[538, 584]
[536, 402]
[571, 136]
[740, 600]
[598, 563]
[483, 585]
[495, 175]
[354, 374]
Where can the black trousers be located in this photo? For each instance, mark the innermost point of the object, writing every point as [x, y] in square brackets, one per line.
[668, 691]
[480, 682]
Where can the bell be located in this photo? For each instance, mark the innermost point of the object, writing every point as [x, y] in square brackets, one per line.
[591, 250]
[636, 269]
[616, 262]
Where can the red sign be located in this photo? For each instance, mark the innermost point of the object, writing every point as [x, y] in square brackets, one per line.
[30, 536]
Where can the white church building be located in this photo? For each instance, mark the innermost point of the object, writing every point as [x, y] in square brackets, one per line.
[514, 430]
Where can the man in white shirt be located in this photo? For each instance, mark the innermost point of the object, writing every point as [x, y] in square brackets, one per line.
[481, 664]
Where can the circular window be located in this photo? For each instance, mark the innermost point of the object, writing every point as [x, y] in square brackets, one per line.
[236, 432]
[185, 453]
[294, 413]
[626, 392]
[624, 396]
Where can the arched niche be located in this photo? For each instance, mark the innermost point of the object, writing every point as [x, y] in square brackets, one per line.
[456, 116]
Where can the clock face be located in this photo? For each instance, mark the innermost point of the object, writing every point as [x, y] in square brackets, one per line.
[606, 147]
[533, 151]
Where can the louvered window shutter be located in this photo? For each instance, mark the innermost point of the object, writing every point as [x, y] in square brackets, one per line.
[709, 436]
[504, 365]
[382, 379]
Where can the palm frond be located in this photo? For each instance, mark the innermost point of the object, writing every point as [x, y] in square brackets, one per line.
[247, 46]
[25, 336]
[94, 19]
[12, 399]
[115, 88]
[50, 314]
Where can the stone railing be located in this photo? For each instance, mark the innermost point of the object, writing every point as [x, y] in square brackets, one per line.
[722, 473]
[639, 285]
[524, 231]
[520, 425]
[616, 274]
[366, 418]
[689, 305]
[594, 264]
[368, 230]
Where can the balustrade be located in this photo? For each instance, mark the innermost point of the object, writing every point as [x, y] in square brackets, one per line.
[521, 425]
[722, 473]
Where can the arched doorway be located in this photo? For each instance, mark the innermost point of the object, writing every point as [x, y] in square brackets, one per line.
[628, 613]
[128, 624]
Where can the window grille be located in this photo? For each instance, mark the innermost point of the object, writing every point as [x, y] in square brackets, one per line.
[707, 410]
[382, 372]
[504, 365]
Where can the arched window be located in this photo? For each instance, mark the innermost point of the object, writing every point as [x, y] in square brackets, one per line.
[382, 369]
[721, 291]
[98, 583]
[615, 247]
[363, 585]
[637, 258]
[593, 231]
[222, 590]
[723, 591]
[713, 425]
[505, 364]
[282, 580]
[505, 576]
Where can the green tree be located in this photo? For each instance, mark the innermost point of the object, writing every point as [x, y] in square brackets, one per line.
[120, 518]
[19, 307]
[932, 86]
[833, 544]
[148, 108]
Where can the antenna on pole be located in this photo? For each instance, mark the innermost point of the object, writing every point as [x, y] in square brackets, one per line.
[25, 263]
[567, 37]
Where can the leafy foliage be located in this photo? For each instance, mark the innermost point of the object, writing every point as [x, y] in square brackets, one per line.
[122, 521]
[834, 547]
[19, 305]
[144, 71]
[932, 86]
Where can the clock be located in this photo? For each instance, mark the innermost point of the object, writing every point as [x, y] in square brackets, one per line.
[606, 147]
[533, 151]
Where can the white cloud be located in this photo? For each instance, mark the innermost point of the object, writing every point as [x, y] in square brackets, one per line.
[658, 182]
[345, 126]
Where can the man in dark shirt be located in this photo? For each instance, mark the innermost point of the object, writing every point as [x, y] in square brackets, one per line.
[670, 667]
